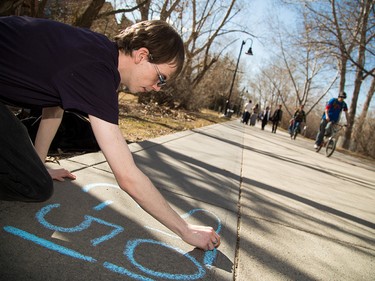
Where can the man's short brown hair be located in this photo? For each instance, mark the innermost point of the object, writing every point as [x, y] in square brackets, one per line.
[161, 39]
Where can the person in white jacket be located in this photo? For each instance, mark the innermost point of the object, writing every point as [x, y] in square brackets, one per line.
[247, 112]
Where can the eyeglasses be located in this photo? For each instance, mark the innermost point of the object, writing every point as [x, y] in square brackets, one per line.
[161, 77]
[162, 81]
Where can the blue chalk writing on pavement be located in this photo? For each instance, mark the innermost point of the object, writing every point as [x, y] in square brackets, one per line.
[101, 206]
[84, 225]
[209, 256]
[129, 253]
[191, 212]
[47, 244]
[124, 271]
[130, 248]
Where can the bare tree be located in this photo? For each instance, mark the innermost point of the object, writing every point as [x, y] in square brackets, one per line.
[305, 67]
[363, 20]
[345, 29]
[202, 30]
[278, 78]
[30, 8]
[362, 117]
[201, 23]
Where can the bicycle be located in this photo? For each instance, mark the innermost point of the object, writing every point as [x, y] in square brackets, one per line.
[330, 140]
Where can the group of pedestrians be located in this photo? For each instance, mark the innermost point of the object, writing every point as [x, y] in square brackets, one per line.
[253, 113]
[330, 116]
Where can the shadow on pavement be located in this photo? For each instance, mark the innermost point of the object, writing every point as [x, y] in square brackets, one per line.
[96, 232]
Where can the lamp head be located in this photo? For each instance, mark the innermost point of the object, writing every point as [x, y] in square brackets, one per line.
[249, 52]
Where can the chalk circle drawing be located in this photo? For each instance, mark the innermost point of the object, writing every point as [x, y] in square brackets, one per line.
[129, 253]
[130, 247]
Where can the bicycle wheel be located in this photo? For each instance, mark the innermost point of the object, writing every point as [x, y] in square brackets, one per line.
[331, 146]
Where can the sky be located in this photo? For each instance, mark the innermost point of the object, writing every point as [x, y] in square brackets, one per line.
[259, 11]
[255, 16]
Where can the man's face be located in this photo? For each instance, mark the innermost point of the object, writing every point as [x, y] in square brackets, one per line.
[148, 77]
[139, 74]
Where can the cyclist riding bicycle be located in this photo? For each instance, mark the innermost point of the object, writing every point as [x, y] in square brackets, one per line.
[331, 116]
[298, 117]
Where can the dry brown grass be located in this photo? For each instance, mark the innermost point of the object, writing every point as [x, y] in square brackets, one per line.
[140, 122]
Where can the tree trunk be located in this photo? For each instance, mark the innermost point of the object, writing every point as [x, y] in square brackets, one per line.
[91, 13]
[9, 7]
[365, 11]
[362, 117]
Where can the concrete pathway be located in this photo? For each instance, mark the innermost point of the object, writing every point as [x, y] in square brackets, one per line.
[284, 212]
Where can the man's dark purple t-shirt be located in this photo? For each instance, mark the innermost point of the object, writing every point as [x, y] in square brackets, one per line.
[45, 63]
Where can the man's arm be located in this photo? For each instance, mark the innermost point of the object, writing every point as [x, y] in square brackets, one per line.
[49, 124]
[328, 107]
[139, 187]
[326, 112]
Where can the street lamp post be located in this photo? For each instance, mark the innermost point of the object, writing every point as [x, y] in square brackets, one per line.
[249, 52]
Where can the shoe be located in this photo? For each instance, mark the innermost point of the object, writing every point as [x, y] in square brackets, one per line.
[316, 146]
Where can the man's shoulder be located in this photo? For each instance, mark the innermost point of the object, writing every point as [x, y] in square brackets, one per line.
[333, 100]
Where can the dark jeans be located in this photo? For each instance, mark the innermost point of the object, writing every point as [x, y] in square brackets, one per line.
[296, 126]
[246, 117]
[264, 123]
[322, 129]
[274, 126]
[23, 176]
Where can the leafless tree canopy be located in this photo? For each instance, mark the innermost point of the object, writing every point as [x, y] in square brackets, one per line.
[330, 50]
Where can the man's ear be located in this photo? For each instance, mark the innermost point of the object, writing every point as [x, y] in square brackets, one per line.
[141, 54]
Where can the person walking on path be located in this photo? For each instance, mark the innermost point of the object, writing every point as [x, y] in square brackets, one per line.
[299, 117]
[276, 118]
[265, 117]
[54, 66]
[331, 115]
[254, 116]
[247, 112]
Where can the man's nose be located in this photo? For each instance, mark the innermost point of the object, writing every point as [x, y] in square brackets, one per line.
[156, 88]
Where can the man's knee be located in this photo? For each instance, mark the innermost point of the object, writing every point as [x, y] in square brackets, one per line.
[44, 191]
[11, 189]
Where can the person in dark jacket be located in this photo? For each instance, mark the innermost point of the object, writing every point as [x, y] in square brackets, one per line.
[265, 117]
[276, 118]
[56, 67]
